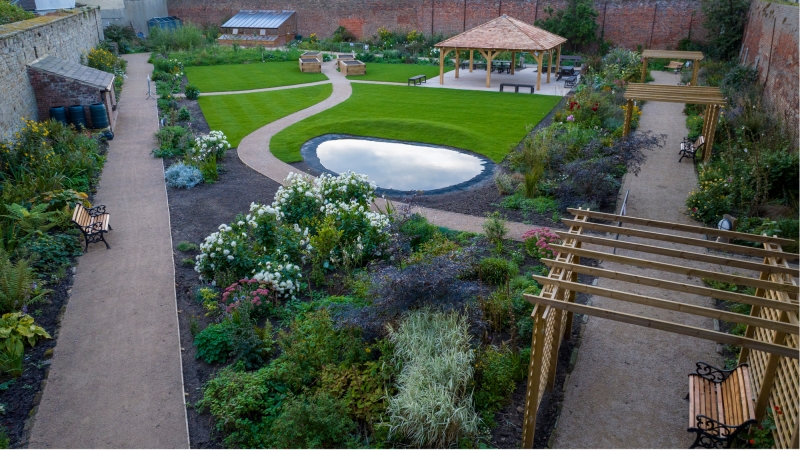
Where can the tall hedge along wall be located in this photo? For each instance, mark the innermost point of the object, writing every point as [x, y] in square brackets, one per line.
[64, 35]
[650, 23]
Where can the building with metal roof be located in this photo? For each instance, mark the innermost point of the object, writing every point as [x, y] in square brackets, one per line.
[260, 27]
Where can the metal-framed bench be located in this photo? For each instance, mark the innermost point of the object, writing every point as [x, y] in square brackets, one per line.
[720, 405]
[516, 86]
[689, 149]
[565, 72]
[675, 65]
[571, 81]
[418, 79]
[93, 223]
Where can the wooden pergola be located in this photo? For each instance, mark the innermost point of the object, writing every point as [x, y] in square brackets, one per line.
[504, 34]
[770, 344]
[695, 57]
[700, 95]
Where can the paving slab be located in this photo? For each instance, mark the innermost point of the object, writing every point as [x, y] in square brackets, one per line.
[116, 379]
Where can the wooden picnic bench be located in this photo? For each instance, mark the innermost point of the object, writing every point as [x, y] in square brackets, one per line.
[720, 405]
[565, 72]
[571, 81]
[418, 79]
[689, 149]
[93, 223]
[675, 65]
[516, 86]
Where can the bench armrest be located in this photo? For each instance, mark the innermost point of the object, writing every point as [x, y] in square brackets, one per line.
[708, 425]
[712, 373]
[98, 210]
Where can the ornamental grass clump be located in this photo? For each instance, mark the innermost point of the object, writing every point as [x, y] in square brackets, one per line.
[433, 407]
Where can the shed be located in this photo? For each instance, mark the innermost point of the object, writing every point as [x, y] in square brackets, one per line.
[63, 83]
[45, 6]
[165, 23]
[259, 27]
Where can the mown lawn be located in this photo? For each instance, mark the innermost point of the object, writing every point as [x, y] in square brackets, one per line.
[398, 73]
[489, 123]
[243, 77]
[238, 115]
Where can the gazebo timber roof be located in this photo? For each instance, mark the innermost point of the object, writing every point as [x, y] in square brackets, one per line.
[672, 54]
[504, 33]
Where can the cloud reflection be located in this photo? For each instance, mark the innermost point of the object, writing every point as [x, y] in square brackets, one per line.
[404, 167]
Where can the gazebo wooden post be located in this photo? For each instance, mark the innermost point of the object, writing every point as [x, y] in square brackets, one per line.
[626, 129]
[489, 59]
[442, 54]
[539, 57]
[513, 61]
[549, 64]
[471, 58]
[695, 68]
[558, 59]
[644, 70]
[457, 62]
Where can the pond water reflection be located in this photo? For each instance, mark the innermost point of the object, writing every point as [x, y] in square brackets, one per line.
[400, 166]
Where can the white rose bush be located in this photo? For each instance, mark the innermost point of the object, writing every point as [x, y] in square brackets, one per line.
[272, 242]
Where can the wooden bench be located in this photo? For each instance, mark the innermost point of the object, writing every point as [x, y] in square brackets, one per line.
[93, 223]
[516, 86]
[675, 65]
[720, 405]
[689, 149]
[418, 79]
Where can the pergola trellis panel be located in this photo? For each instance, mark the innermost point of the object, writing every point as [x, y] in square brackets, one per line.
[770, 343]
[695, 57]
[503, 34]
[701, 95]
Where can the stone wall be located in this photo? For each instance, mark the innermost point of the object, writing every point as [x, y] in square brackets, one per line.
[771, 45]
[65, 35]
[650, 23]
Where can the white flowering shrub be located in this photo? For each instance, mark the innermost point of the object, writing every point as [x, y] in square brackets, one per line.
[346, 188]
[299, 202]
[284, 278]
[212, 144]
[227, 250]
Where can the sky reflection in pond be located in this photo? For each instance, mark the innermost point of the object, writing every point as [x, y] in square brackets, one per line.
[400, 166]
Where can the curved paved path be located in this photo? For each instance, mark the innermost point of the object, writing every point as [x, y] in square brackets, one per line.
[116, 379]
[254, 151]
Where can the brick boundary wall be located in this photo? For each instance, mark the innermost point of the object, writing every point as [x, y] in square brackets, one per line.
[64, 36]
[771, 45]
[658, 24]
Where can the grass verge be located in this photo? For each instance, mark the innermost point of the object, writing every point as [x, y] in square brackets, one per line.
[489, 123]
[240, 114]
[244, 77]
[397, 73]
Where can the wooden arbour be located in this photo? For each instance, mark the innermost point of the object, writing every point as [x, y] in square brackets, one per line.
[769, 345]
[503, 34]
[699, 95]
[695, 57]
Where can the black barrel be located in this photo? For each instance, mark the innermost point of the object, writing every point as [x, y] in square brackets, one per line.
[59, 113]
[99, 115]
[77, 116]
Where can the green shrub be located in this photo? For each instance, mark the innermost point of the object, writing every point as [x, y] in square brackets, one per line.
[496, 377]
[184, 115]
[172, 141]
[12, 13]
[419, 230]
[433, 407]
[192, 92]
[497, 309]
[214, 344]
[187, 246]
[315, 421]
[495, 229]
[497, 271]
[50, 252]
[506, 184]
[17, 281]
[15, 330]
[695, 125]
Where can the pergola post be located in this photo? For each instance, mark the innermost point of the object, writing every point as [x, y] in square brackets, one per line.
[712, 131]
[695, 68]
[457, 62]
[539, 57]
[644, 69]
[471, 59]
[558, 59]
[770, 368]
[549, 64]
[442, 54]
[626, 129]
[513, 61]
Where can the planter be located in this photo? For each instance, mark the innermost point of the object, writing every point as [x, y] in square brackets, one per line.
[310, 65]
[352, 67]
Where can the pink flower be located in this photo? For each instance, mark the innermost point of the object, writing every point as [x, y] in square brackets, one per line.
[570, 118]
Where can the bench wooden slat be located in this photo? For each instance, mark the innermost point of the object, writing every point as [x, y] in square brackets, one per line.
[751, 409]
[728, 402]
[693, 397]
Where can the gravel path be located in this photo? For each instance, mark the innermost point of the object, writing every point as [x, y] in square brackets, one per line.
[116, 379]
[629, 385]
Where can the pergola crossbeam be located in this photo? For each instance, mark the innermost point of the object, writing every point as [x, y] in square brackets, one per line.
[695, 57]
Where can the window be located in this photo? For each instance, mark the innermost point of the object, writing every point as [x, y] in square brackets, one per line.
[235, 31]
[263, 32]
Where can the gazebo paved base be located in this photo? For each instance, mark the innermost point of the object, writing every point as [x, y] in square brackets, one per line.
[477, 81]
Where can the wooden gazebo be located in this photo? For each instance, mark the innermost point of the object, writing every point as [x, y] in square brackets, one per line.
[504, 34]
[695, 57]
[699, 95]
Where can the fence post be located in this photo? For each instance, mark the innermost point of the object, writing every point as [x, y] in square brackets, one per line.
[534, 375]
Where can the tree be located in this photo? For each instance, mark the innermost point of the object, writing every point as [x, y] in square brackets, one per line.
[577, 22]
[725, 20]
